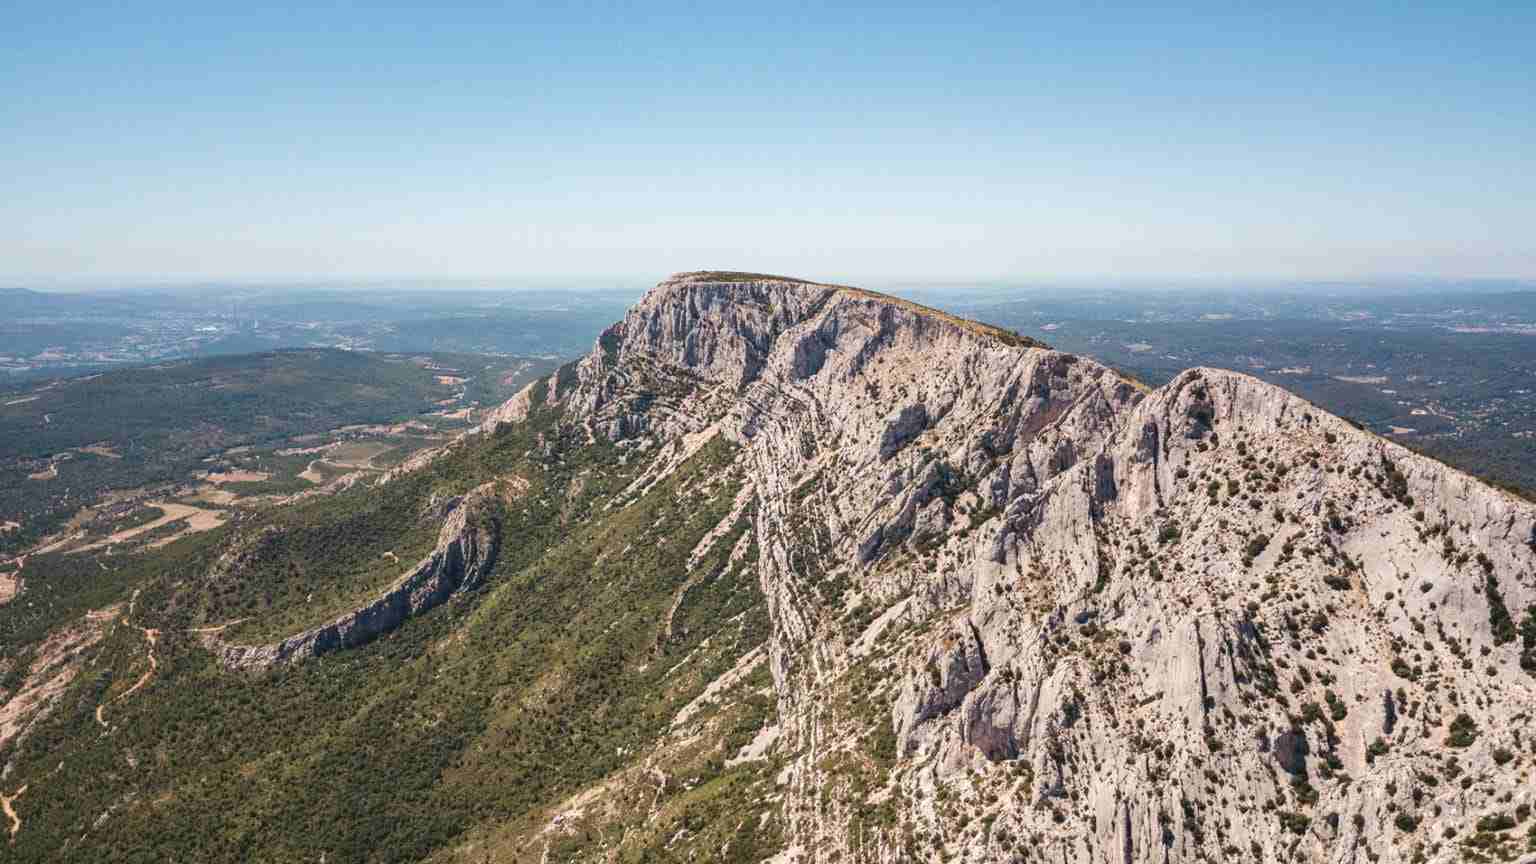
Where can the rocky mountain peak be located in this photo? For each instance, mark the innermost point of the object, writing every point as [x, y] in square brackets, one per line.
[1095, 621]
[795, 572]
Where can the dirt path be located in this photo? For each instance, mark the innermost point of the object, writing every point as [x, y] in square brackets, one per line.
[58, 544]
[210, 494]
[102, 449]
[358, 455]
[217, 628]
[10, 812]
[237, 476]
[102, 616]
[56, 664]
[309, 473]
[152, 636]
[10, 583]
[197, 518]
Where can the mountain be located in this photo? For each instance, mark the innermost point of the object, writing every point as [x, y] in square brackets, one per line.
[798, 572]
[23, 302]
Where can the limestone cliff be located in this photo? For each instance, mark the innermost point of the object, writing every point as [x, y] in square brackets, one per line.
[466, 551]
[1025, 609]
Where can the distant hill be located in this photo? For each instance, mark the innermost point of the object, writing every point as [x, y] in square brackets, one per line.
[24, 301]
[161, 420]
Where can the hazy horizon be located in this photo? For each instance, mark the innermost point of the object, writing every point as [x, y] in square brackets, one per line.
[993, 143]
[637, 285]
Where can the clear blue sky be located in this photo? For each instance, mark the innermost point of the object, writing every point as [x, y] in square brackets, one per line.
[187, 141]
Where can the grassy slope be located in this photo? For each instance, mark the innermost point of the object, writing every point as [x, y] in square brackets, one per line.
[478, 715]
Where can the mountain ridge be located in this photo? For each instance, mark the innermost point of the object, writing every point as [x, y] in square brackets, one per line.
[784, 571]
[1096, 469]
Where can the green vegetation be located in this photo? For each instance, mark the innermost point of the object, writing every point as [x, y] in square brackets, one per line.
[1498, 614]
[1378, 748]
[300, 566]
[156, 424]
[1462, 733]
[1254, 548]
[196, 403]
[1296, 823]
[485, 712]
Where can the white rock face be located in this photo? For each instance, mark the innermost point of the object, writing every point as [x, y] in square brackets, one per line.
[1099, 623]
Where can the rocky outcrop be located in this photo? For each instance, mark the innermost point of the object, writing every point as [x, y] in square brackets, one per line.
[1101, 622]
[465, 553]
[514, 410]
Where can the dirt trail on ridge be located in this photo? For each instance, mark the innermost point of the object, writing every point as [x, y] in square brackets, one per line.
[10, 812]
[152, 636]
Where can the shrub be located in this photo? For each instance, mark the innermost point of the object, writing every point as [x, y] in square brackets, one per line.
[1378, 747]
[1463, 732]
[1336, 707]
[1498, 615]
[1305, 793]
[1496, 822]
[1256, 546]
[1296, 823]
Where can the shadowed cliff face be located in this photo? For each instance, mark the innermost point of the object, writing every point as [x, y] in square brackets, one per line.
[1023, 607]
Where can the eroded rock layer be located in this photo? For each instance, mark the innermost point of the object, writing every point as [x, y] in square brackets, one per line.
[1024, 608]
[466, 550]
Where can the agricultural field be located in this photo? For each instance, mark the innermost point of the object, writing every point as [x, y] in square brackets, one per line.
[85, 462]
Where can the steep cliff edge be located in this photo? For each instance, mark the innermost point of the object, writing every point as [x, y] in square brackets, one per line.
[466, 551]
[1023, 608]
